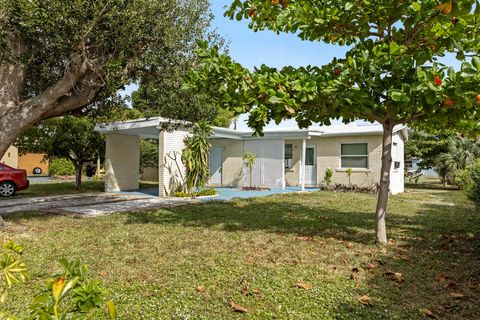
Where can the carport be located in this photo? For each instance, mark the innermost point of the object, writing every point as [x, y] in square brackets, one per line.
[122, 156]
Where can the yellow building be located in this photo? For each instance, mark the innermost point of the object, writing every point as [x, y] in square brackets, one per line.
[34, 163]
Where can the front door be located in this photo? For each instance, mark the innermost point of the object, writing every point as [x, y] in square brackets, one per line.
[216, 165]
[311, 165]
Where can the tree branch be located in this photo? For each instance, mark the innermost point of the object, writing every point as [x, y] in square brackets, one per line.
[46, 100]
[82, 96]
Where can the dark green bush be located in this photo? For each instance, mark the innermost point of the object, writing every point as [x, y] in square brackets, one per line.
[474, 188]
[61, 167]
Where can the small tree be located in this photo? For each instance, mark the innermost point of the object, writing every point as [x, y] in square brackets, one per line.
[195, 157]
[68, 137]
[327, 178]
[249, 159]
[349, 172]
[391, 73]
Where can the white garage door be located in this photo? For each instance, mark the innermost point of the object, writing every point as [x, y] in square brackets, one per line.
[268, 168]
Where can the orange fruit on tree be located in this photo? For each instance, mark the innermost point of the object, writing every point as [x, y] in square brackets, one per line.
[448, 102]
[437, 81]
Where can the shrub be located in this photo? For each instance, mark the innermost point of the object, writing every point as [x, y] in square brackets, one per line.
[474, 188]
[463, 178]
[338, 187]
[199, 193]
[61, 167]
[70, 294]
[195, 157]
[327, 178]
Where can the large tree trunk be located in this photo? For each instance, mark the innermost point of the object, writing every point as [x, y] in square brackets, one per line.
[78, 175]
[381, 212]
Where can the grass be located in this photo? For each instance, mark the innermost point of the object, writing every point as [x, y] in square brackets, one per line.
[253, 251]
[68, 187]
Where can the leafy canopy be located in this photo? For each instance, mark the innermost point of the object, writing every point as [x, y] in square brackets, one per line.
[392, 72]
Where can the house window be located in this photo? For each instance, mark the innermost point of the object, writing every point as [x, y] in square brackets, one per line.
[396, 165]
[288, 156]
[354, 155]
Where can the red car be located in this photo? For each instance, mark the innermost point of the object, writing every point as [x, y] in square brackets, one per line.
[12, 180]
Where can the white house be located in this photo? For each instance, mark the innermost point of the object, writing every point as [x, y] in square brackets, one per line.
[285, 156]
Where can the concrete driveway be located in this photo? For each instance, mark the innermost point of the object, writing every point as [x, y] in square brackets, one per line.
[87, 204]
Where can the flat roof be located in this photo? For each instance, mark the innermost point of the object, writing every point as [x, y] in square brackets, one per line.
[150, 128]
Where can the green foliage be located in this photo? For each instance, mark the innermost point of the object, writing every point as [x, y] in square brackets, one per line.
[463, 178]
[69, 295]
[461, 153]
[327, 178]
[122, 38]
[474, 188]
[390, 74]
[72, 293]
[195, 157]
[200, 193]
[68, 137]
[61, 167]
[148, 153]
[14, 271]
[349, 172]
[249, 159]
[426, 147]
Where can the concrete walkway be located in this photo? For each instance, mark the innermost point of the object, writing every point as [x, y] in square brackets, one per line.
[88, 204]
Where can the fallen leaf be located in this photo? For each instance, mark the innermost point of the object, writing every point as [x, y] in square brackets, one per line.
[200, 289]
[301, 285]
[456, 295]
[402, 249]
[440, 277]
[237, 308]
[349, 245]
[427, 313]
[245, 291]
[103, 273]
[372, 266]
[395, 276]
[365, 300]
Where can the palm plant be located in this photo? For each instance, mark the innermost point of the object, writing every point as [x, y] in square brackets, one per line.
[461, 154]
[195, 157]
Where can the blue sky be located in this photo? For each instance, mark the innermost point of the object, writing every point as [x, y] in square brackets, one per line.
[256, 48]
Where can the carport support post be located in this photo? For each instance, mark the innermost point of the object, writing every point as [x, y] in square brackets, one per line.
[302, 170]
[122, 162]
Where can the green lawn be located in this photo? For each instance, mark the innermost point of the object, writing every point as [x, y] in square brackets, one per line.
[68, 187]
[253, 251]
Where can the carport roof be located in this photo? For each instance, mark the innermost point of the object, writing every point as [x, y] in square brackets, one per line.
[150, 128]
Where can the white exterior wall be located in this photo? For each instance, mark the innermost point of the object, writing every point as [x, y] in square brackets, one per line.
[122, 162]
[268, 170]
[397, 176]
[170, 145]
